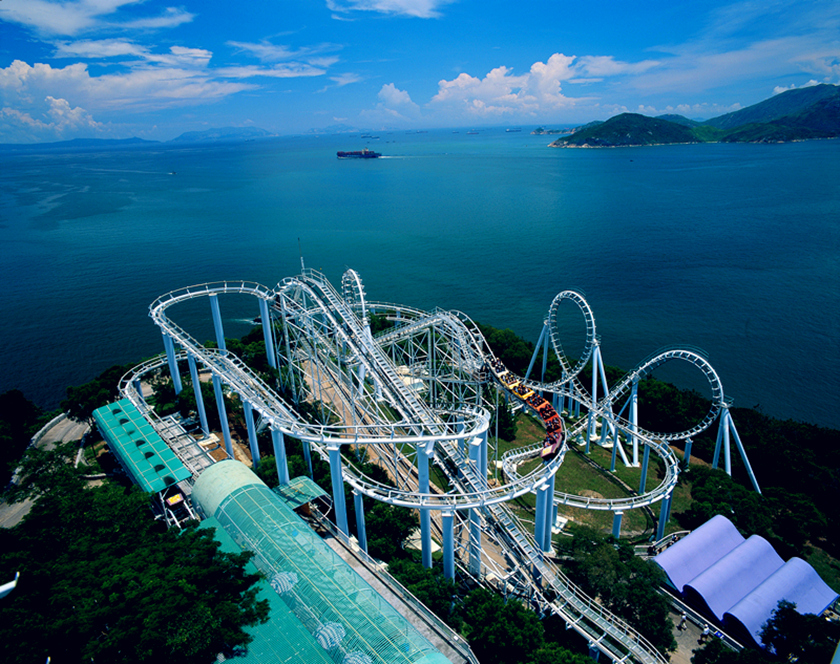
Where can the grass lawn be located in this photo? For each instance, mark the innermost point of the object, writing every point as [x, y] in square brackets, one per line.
[578, 477]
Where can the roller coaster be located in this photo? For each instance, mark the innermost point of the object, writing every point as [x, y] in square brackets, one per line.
[417, 393]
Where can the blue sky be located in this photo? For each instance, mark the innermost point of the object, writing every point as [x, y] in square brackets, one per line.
[122, 68]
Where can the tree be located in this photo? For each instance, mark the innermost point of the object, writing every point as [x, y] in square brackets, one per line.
[82, 400]
[507, 422]
[19, 420]
[101, 580]
[500, 632]
[714, 492]
[796, 637]
[387, 528]
[608, 569]
[429, 586]
[553, 653]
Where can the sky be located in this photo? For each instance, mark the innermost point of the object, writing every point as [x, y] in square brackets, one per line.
[152, 69]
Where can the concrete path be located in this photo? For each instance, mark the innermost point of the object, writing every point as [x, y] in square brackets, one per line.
[60, 431]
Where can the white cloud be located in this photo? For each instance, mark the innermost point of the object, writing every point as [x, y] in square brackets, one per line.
[414, 8]
[267, 52]
[501, 93]
[178, 56]
[781, 88]
[603, 66]
[56, 119]
[73, 18]
[172, 17]
[394, 105]
[390, 95]
[100, 48]
[290, 70]
[345, 79]
[24, 87]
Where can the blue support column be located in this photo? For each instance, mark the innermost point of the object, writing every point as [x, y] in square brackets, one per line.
[592, 421]
[475, 542]
[664, 510]
[138, 387]
[614, 450]
[360, 519]
[616, 531]
[475, 517]
[545, 507]
[268, 336]
[634, 420]
[338, 489]
[550, 515]
[545, 357]
[594, 653]
[278, 440]
[448, 524]
[539, 519]
[645, 460]
[482, 458]
[743, 452]
[252, 433]
[687, 455]
[425, 515]
[536, 352]
[173, 363]
[307, 456]
[217, 321]
[220, 405]
[199, 400]
[727, 453]
[721, 426]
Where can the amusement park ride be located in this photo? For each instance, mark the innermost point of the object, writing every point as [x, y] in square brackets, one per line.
[414, 394]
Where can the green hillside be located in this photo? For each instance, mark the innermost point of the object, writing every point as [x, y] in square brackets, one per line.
[794, 115]
[628, 129]
[679, 119]
[778, 106]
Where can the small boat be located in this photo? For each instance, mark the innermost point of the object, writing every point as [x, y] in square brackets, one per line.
[358, 154]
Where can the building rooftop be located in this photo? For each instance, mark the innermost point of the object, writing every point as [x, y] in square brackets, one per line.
[347, 618]
[149, 461]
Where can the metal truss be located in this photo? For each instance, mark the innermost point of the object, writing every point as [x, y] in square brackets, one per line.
[417, 393]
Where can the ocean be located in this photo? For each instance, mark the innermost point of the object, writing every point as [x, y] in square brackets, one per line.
[734, 249]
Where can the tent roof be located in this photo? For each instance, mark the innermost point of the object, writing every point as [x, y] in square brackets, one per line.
[796, 581]
[698, 551]
[735, 575]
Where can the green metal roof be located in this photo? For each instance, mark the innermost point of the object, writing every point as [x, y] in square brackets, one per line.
[147, 458]
[281, 640]
[298, 491]
[348, 619]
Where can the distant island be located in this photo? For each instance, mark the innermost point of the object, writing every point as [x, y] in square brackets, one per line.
[794, 115]
[223, 134]
[216, 135]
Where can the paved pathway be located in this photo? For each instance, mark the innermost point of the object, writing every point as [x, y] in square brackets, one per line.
[62, 431]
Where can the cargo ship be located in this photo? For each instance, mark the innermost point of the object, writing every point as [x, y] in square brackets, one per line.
[358, 154]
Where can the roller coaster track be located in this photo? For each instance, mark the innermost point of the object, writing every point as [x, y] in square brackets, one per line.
[333, 328]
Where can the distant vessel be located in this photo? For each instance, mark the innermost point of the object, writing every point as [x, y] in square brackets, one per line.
[358, 154]
[510, 131]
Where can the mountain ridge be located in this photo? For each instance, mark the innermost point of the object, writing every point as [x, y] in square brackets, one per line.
[799, 114]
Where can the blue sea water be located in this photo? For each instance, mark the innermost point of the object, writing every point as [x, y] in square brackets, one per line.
[731, 248]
